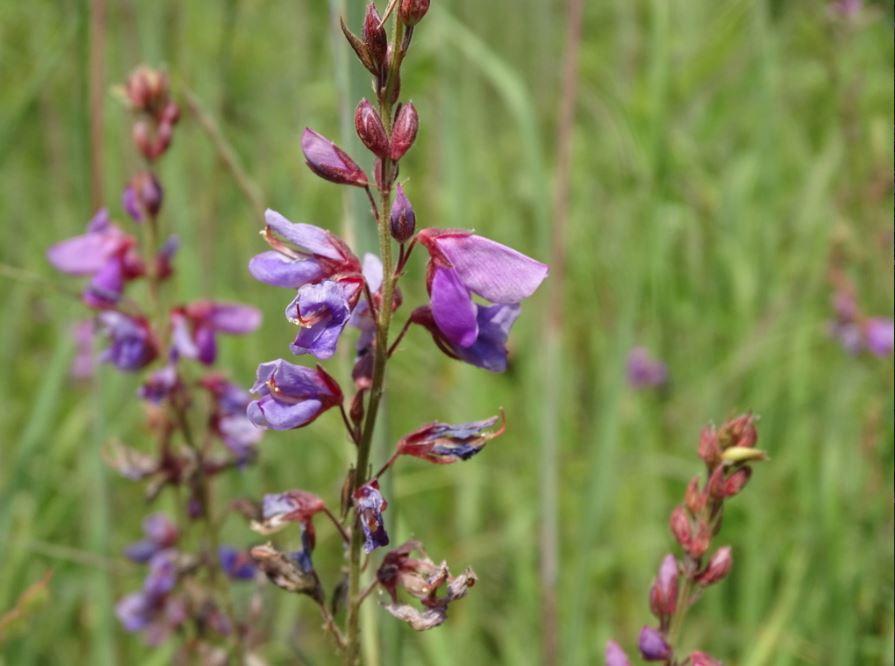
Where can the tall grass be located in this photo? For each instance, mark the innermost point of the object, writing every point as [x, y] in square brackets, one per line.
[719, 147]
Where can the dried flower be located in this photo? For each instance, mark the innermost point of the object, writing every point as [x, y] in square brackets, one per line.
[370, 504]
[443, 443]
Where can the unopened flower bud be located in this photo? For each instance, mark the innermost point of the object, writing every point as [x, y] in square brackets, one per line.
[694, 498]
[171, 113]
[740, 431]
[709, 448]
[329, 161]
[403, 219]
[370, 129]
[404, 132]
[699, 542]
[142, 139]
[737, 481]
[680, 526]
[703, 659]
[652, 645]
[375, 37]
[717, 568]
[663, 593]
[715, 485]
[142, 196]
[163, 137]
[411, 12]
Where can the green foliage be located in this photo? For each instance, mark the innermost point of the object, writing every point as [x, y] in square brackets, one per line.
[720, 148]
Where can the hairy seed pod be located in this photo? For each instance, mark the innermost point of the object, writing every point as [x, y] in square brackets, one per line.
[370, 129]
[411, 12]
[375, 37]
[404, 132]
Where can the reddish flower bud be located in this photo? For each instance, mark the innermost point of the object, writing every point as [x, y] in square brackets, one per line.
[699, 541]
[680, 526]
[709, 448]
[715, 485]
[375, 37]
[171, 114]
[717, 568]
[411, 12]
[330, 162]
[142, 138]
[403, 219]
[404, 132]
[702, 659]
[694, 498]
[163, 137]
[652, 645]
[737, 481]
[663, 593]
[370, 129]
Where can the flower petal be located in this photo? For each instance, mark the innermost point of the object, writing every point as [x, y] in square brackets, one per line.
[310, 238]
[278, 270]
[268, 412]
[492, 270]
[453, 308]
[489, 351]
[81, 255]
[234, 318]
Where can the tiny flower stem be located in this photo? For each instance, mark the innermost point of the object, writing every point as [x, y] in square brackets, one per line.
[388, 463]
[394, 346]
[374, 209]
[370, 589]
[335, 521]
[348, 426]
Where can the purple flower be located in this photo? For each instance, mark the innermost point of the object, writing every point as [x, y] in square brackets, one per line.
[322, 310]
[314, 254]
[644, 371]
[194, 327]
[880, 336]
[229, 420]
[615, 656]
[132, 345]
[160, 384]
[653, 646]
[291, 395]
[135, 612]
[106, 254]
[369, 504]
[164, 259]
[237, 564]
[489, 351]
[443, 443]
[462, 264]
[330, 162]
[160, 534]
[143, 195]
[162, 576]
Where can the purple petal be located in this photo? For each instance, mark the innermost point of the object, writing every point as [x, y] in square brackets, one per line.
[270, 413]
[134, 612]
[100, 221]
[880, 335]
[653, 646]
[299, 382]
[106, 287]
[206, 344]
[235, 319]
[237, 564]
[326, 305]
[453, 308]
[372, 271]
[495, 272]
[278, 270]
[615, 656]
[306, 236]
[162, 575]
[81, 255]
[131, 203]
[489, 351]
[141, 552]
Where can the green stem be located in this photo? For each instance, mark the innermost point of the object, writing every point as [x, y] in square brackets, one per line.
[380, 361]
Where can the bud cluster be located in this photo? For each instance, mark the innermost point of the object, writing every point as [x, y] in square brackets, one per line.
[728, 453]
[147, 92]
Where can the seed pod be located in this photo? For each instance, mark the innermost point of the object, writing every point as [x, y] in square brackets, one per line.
[370, 129]
[404, 132]
[411, 12]
[403, 219]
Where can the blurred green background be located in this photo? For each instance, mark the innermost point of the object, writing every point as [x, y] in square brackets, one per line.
[720, 148]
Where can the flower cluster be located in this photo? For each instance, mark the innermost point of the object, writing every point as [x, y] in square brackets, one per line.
[475, 288]
[197, 418]
[728, 453]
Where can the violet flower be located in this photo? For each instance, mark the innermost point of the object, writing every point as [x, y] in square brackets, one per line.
[132, 345]
[879, 334]
[229, 420]
[159, 534]
[237, 564]
[322, 311]
[652, 645]
[142, 196]
[462, 264]
[104, 253]
[194, 327]
[489, 350]
[160, 385]
[370, 504]
[645, 371]
[291, 395]
[314, 254]
[615, 656]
